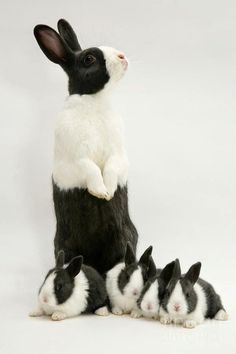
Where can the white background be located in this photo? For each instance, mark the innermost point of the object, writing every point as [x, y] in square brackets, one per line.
[178, 103]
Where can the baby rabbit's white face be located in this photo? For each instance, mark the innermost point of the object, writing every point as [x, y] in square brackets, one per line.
[116, 63]
[177, 304]
[46, 295]
[135, 285]
[150, 300]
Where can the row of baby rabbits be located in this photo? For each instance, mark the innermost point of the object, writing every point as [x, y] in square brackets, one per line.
[131, 287]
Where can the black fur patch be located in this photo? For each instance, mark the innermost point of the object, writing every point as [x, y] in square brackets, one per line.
[63, 286]
[87, 79]
[214, 303]
[125, 275]
[189, 293]
[97, 295]
[94, 228]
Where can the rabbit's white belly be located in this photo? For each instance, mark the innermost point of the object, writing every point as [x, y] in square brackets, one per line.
[83, 135]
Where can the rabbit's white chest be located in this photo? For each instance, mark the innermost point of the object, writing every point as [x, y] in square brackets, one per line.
[87, 129]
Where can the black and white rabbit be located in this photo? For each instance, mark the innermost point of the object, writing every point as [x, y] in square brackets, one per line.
[154, 289]
[188, 300]
[70, 290]
[90, 162]
[125, 281]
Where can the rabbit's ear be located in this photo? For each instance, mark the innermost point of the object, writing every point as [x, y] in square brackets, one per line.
[193, 273]
[177, 269]
[68, 35]
[129, 255]
[60, 259]
[167, 272]
[152, 270]
[145, 258]
[74, 266]
[52, 45]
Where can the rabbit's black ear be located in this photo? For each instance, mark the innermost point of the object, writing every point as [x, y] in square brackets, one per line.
[167, 272]
[193, 273]
[145, 258]
[68, 35]
[129, 255]
[177, 269]
[74, 266]
[52, 45]
[60, 259]
[152, 270]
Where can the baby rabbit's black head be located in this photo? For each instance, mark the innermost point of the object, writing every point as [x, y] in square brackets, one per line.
[88, 70]
[132, 278]
[180, 297]
[59, 282]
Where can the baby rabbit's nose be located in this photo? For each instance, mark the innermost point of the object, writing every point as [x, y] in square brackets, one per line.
[149, 306]
[121, 56]
[45, 299]
[135, 292]
[177, 307]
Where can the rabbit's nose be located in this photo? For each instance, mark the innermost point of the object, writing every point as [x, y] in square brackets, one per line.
[177, 307]
[45, 299]
[121, 56]
[149, 306]
[135, 292]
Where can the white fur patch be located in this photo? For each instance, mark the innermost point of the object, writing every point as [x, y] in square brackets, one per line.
[115, 66]
[75, 305]
[150, 302]
[123, 302]
[221, 315]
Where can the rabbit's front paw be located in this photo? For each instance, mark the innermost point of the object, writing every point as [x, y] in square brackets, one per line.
[58, 316]
[189, 324]
[99, 191]
[117, 311]
[136, 313]
[165, 320]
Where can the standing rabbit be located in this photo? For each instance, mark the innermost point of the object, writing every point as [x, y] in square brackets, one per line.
[189, 300]
[72, 289]
[90, 163]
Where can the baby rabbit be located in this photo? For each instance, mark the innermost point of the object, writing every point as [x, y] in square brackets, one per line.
[70, 290]
[188, 300]
[154, 288]
[125, 281]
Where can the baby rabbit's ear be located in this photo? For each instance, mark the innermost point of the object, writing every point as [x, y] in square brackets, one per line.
[74, 266]
[129, 255]
[52, 45]
[193, 273]
[177, 269]
[167, 272]
[152, 270]
[145, 258]
[60, 259]
[68, 35]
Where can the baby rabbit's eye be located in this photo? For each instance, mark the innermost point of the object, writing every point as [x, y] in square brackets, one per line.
[89, 60]
[167, 292]
[187, 294]
[58, 287]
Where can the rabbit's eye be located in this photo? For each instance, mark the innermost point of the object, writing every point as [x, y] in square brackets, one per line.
[187, 294]
[58, 287]
[89, 60]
